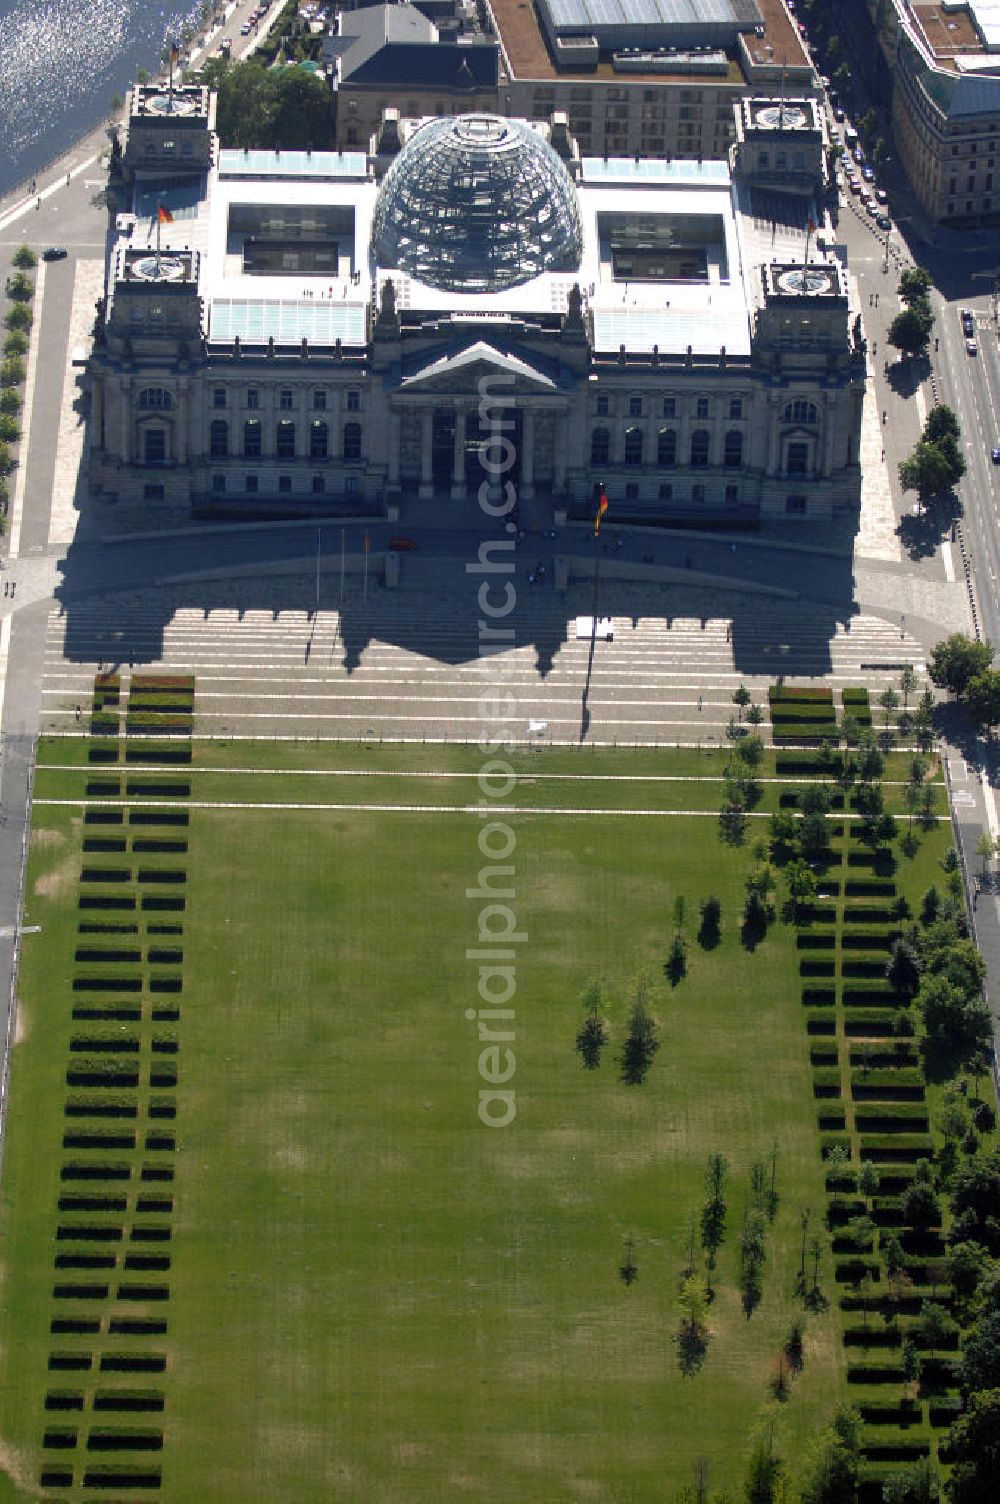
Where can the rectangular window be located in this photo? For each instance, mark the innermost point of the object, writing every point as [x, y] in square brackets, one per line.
[732, 495]
[284, 484]
[701, 408]
[218, 484]
[152, 493]
[795, 506]
[635, 407]
[252, 483]
[318, 485]
[351, 485]
[698, 493]
[603, 407]
[670, 407]
[285, 402]
[319, 400]
[632, 491]
[219, 397]
[666, 491]
[736, 407]
[353, 402]
[253, 398]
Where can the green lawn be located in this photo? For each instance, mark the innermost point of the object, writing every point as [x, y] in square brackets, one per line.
[373, 1297]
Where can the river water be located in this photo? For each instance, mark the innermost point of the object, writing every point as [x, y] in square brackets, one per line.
[61, 61]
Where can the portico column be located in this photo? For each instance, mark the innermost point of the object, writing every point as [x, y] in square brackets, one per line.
[394, 441]
[125, 398]
[527, 487]
[180, 431]
[831, 415]
[458, 457]
[426, 488]
[559, 440]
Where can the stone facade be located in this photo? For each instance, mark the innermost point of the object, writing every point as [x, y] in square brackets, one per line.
[191, 423]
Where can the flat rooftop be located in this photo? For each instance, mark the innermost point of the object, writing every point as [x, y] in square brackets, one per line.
[521, 38]
[948, 34]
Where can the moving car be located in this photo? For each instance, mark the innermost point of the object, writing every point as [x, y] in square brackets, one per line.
[54, 253]
[971, 348]
[996, 454]
[245, 29]
[968, 322]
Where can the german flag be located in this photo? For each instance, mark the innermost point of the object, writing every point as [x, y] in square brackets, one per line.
[602, 507]
[164, 215]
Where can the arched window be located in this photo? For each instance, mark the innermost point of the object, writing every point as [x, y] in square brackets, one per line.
[156, 397]
[633, 446]
[318, 443]
[801, 411]
[699, 448]
[666, 448]
[600, 446]
[732, 454]
[352, 441]
[798, 459]
[252, 447]
[218, 439]
[284, 447]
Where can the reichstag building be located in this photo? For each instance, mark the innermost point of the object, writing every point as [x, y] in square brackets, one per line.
[303, 333]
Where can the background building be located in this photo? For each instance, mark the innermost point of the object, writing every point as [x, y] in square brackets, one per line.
[938, 67]
[315, 331]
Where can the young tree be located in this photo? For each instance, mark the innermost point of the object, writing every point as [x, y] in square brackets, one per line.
[868, 1182]
[693, 1302]
[25, 258]
[20, 288]
[641, 1043]
[986, 847]
[917, 1484]
[904, 966]
[675, 967]
[935, 1326]
[593, 1032]
[801, 886]
[755, 714]
[956, 660]
[908, 683]
[741, 698]
[889, 701]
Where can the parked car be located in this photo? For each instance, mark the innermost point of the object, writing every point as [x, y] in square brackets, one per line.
[859, 155]
[971, 348]
[245, 29]
[54, 253]
[884, 222]
[854, 186]
[838, 113]
[868, 173]
[402, 545]
[872, 208]
[881, 195]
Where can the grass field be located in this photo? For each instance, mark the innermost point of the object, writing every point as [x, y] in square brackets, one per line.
[372, 1296]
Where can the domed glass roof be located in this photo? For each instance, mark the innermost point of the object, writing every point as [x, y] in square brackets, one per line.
[477, 204]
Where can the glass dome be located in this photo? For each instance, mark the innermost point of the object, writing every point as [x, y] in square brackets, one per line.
[477, 204]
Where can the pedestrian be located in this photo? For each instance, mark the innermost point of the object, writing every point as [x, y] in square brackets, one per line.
[876, 300]
[67, 179]
[874, 349]
[38, 202]
[700, 703]
[883, 454]
[884, 416]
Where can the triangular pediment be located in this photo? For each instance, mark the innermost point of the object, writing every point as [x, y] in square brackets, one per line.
[466, 367]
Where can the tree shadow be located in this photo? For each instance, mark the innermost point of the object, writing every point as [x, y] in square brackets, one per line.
[709, 935]
[921, 533]
[692, 1348]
